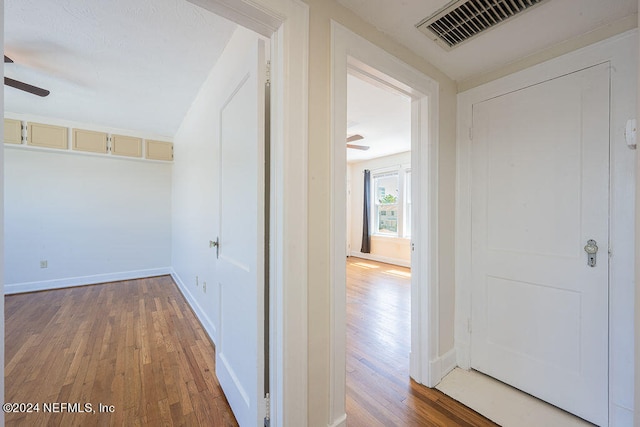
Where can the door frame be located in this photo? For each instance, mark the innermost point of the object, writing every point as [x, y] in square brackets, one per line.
[286, 24]
[620, 52]
[353, 54]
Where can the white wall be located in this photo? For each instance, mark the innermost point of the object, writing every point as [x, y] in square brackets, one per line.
[394, 250]
[93, 218]
[195, 187]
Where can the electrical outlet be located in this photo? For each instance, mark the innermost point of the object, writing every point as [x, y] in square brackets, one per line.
[197, 282]
[204, 287]
[44, 263]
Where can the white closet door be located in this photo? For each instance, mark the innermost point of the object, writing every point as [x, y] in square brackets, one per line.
[540, 192]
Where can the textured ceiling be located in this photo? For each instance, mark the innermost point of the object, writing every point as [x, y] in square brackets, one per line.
[381, 115]
[130, 64]
[138, 64]
[541, 27]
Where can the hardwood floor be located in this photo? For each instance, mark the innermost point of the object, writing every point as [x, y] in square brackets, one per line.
[379, 390]
[135, 345]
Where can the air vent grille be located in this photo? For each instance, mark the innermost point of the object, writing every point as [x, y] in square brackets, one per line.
[461, 20]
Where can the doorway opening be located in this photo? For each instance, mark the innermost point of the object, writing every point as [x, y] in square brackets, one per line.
[354, 56]
[378, 244]
[286, 26]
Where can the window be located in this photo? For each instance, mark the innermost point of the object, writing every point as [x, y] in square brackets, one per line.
[386, 203]
[391, 200]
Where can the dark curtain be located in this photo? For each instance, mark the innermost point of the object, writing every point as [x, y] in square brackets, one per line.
[366, 208]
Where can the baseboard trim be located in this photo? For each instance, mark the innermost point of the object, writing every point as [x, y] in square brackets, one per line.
[205, 321]
[449, 362]
[441, 366]
[620, 416]
[69, 282]
[339, 422]
[387, 260]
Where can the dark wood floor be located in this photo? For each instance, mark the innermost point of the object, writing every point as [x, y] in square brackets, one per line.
[379, 390]
[135, 345]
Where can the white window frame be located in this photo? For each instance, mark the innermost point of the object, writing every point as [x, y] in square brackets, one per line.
[375, 205]
[402, 212]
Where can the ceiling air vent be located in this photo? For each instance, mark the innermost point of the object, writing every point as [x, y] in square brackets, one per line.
[461, 20]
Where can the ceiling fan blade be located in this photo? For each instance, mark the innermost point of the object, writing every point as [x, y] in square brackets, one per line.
[356, 137]
[8, 60]
[358, 147]
[26, 87]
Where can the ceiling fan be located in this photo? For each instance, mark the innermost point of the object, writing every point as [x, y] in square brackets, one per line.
[356, 137]
[23, 86]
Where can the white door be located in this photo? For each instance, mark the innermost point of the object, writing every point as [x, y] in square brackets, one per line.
[239, 350]
[540, 191]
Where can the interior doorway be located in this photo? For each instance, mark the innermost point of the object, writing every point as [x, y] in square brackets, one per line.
[378, 242]
[286, 25]
[354, 56]
[378, 154]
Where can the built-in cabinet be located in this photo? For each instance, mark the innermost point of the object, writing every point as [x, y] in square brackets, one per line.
[91, 141]
[12, 131]
[127, 146]
[48, 136]
[159, 150]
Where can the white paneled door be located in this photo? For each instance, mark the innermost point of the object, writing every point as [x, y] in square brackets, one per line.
[240, 251]
[540, 193]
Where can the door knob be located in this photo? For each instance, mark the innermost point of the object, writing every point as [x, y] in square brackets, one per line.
[591, 249]
[215, 244]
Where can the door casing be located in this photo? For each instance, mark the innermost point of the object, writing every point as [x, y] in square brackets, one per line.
[353, 54]
[286, 23]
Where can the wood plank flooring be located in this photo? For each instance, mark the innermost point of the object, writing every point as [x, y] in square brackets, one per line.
[135, 345]
[379, 390]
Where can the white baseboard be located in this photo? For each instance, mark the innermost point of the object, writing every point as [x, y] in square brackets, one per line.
[374, 257]
[339, 422]
[206, 322]
[68, 282]
[620, 416]
[449, 362]
[441, 366]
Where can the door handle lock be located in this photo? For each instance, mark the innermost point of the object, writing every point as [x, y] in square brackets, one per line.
[591, 249]
[215, 244]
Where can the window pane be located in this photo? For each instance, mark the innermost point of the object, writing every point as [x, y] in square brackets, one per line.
[388, 218]
[386, 203]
